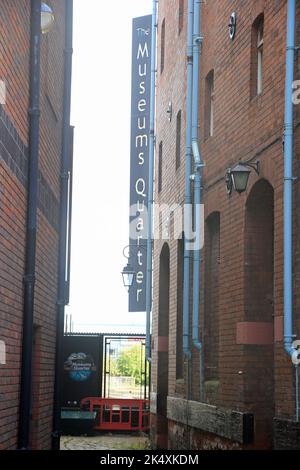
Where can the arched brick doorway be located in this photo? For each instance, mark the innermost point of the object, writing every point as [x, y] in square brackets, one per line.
[163, 347]
[258, 329]
[211, 311]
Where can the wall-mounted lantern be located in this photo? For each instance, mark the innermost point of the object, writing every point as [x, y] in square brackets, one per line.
[170, 111]
[47, 18]
[232, 25]
[128, 276]
[237, 178]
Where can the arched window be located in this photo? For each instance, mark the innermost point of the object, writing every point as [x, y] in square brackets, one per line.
[163, 338]
[179, 323]
[260, 52]
[160, 154]
[257, 54]
[257, 330]
[211, 310]
[162, 46]
[209, 104]
[178, 139]
[180, 15]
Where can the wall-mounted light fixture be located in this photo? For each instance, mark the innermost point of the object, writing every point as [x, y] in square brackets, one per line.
[47, 18]
[237, 178]
[232, 25]
[170, 110]
[128, 272]
[128, 275]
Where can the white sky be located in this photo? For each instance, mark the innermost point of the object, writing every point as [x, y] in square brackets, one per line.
[101, 116]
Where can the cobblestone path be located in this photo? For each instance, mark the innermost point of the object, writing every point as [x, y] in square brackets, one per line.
[105, 442]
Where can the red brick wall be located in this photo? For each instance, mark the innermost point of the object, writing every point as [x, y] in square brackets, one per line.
[245, 128]
[12, 222]
[14, 70]
[171, 87]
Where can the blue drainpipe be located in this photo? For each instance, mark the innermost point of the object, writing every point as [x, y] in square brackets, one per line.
[188, 198]
[288, 180]
[197, 191]
[288, 194]
[151, 178]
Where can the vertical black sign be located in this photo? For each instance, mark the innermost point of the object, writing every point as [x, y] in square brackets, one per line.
[139, 174]
[82, 366]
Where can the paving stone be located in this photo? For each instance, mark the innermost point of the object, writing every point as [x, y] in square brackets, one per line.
[105, 442]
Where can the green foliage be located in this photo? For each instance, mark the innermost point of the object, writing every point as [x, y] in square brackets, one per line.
[130, 361]
[129, 364]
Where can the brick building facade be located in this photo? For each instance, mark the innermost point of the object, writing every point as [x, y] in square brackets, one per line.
[249, 378]
[14, 124]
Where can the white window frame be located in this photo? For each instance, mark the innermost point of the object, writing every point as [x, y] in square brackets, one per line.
[260, 49]
[211, 105]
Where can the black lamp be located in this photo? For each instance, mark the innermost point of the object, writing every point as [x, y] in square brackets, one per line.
[128, 276]
[238, 177]
[47, 18]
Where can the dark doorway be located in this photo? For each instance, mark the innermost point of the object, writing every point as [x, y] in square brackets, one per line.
[163, 345]
[211, 323]
[259, 309]
[179, 322]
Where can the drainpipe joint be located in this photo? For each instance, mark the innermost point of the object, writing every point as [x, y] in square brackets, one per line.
[188, 355]
[198, 40]
[290, 349]
[288, 129]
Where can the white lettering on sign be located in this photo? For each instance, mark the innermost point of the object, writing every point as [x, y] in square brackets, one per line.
[139, 255]
[142, 106]
[142, 51]
[143, 31]
[140, 225]
[142, 70]
[140, 120]
[142, 88]
[140, 187]
[142, 123]
[141, 206]
[141, 141]
[141, 158]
